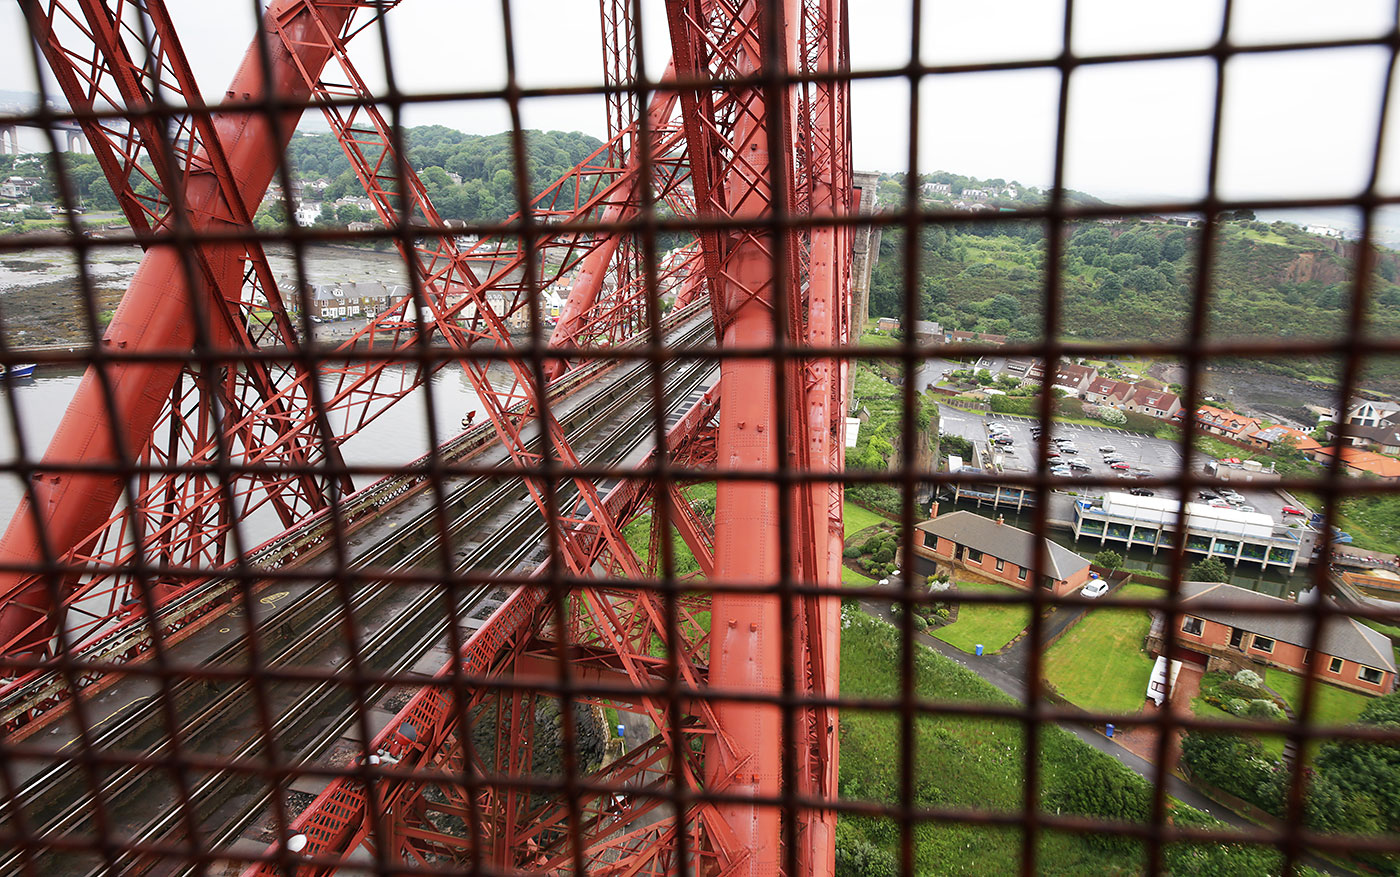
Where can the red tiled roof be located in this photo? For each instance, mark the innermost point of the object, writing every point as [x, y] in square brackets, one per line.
[1367, 461]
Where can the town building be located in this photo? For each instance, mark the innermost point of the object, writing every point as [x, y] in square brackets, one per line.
[1153, 403]
[18, 187]
[1384, 438]
[1107, 391]
[1226, 423]
[1074, 378]
[937, 189]
[1357, 462]
[976, 337]
[1151, 522]
[1347, 653]
[307, 213]
[1366, 412]
[965, 542]
[1270, 436]
[887, 324]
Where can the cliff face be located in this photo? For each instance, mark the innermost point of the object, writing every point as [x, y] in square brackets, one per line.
[1332, 263]
[1316, 267]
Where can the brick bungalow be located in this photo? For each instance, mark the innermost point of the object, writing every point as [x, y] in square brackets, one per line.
[1349, 653]
[1153, 403]
[963, 540]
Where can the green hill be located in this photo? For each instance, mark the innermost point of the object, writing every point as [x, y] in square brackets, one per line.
[1133, 281]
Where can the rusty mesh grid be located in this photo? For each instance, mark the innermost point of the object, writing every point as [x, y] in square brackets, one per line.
[190, 834]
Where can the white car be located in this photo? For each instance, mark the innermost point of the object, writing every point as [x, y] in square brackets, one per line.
[1095, 588]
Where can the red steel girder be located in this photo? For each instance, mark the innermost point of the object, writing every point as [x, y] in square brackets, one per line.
[424, 736]
[64, 510]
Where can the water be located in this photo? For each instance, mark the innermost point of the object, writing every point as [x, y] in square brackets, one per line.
[396, 437]
[1272, 581]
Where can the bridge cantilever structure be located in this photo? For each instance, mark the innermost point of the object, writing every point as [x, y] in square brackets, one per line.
[195, 416]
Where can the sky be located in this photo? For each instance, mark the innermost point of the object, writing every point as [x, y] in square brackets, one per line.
[1295, 124]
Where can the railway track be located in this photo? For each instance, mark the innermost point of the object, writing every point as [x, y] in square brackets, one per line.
[403, 630]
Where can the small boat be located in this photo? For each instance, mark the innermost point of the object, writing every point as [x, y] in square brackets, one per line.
[25, 370]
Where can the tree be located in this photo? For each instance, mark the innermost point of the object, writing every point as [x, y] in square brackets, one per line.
[1108, 559]
[1211, 569]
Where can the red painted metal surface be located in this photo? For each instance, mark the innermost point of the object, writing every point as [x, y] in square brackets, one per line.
[714, 152]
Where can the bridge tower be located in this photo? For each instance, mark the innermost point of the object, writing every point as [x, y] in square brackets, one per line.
[750, 140]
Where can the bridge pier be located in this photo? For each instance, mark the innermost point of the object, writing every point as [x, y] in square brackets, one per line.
[76, 141]
[9, 140]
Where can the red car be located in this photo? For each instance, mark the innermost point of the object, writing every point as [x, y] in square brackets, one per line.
[1123, 466]
[1290, 510]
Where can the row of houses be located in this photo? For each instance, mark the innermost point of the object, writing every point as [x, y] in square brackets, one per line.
[1084, 382]
[1356, 459]
[1222, 627]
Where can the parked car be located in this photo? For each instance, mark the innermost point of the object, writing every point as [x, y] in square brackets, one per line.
[1107, 449]
[1124, 467]
[1246, 508]
[1205, 495]
[1141, 491]
[1290, 510]
[1079, 466]
[1003, 439]
[1096, 588]
[1054, 455]
[1219, 504]
[1114, 460]
[1068, 449]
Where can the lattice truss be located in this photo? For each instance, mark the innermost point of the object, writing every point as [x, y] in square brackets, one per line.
[205, 405]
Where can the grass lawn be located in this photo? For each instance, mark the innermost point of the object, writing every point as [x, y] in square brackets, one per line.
[1331, 705]
[989, 624]
[855, 579]
[1100, 664]
[857, 518]
[968, 762]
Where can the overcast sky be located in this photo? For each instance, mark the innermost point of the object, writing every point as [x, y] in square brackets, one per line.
[1295, 123]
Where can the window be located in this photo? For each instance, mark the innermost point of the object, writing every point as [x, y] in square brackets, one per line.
[1370, 674]
[1307, 657]
[1193, 626]
[1001, 564]
[1021, 573]
[1336, 665]
[1263, 643]
[974, 556]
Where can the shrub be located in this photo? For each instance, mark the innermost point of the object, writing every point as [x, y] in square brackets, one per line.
[942, 613]
[1108, 559]
[884, 553]
[851, 551]
[1250, 678]
[1101, 788]
[1264, 709]
[920, 624]
[1236, 706]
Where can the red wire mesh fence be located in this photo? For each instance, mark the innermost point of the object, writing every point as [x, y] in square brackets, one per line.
[272, 602]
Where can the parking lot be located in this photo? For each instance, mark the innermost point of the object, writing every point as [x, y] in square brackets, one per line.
[1158, 457]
